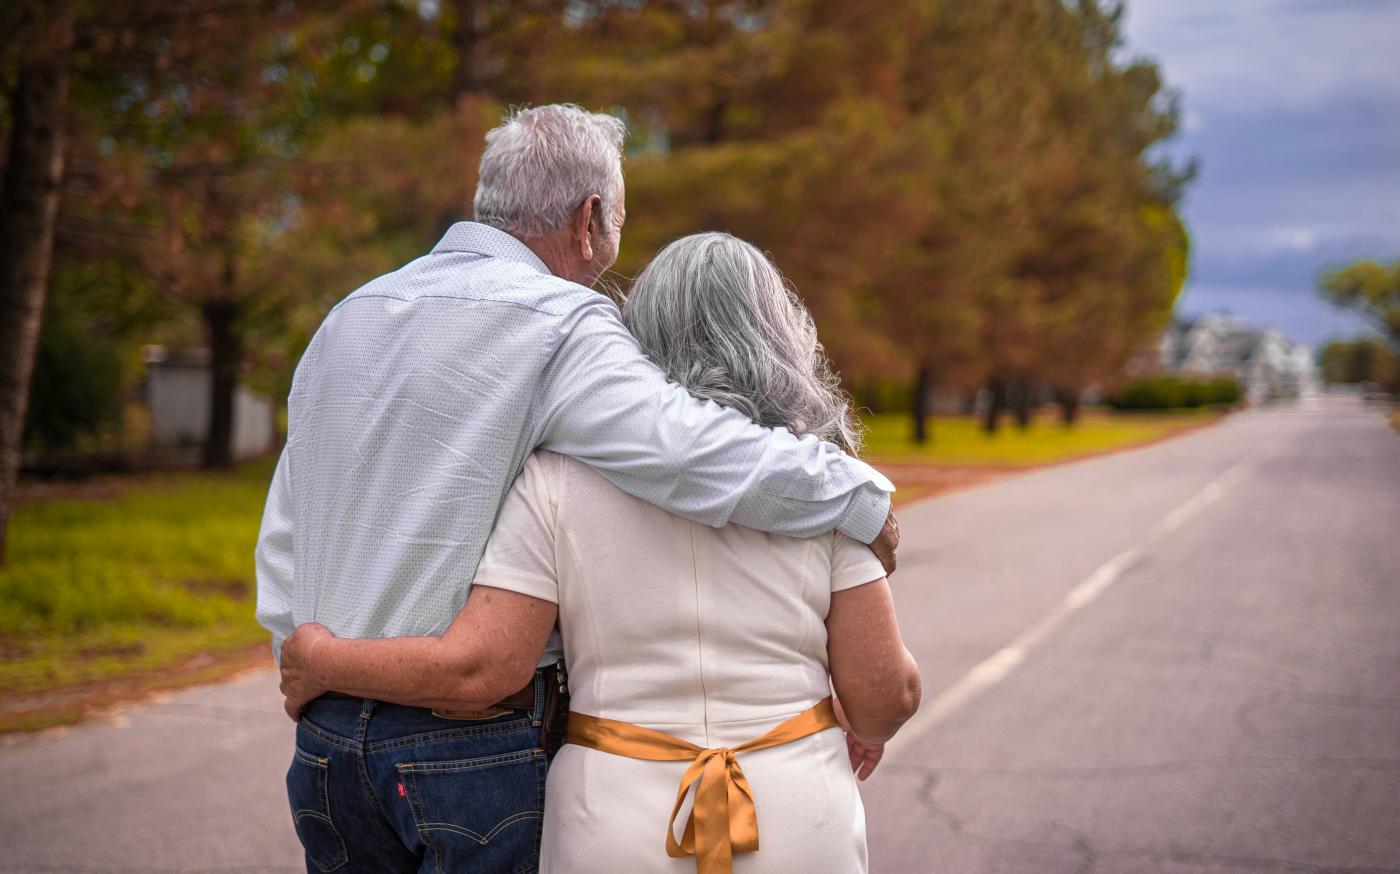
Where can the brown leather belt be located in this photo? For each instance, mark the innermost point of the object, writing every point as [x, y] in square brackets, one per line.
[521, 700]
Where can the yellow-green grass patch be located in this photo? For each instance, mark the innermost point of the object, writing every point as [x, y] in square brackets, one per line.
[958, 441]
[97, 589]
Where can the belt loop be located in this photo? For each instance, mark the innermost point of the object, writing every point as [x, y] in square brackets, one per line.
[366, 709]
[541, 690]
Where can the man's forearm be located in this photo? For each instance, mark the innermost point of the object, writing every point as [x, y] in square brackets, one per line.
[415, 671]
[866, 508]
[608, 406]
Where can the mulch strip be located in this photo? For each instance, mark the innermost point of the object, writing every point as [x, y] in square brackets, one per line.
[72, 704]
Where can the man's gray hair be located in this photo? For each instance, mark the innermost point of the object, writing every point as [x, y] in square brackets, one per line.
[716, 315]
[541, 163]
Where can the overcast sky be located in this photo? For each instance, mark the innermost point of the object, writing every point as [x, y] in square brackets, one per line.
[1293, 108]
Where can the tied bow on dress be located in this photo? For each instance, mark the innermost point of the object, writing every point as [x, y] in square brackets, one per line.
[723, 820]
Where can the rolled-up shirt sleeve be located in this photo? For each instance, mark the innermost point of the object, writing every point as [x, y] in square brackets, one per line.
[603, 402]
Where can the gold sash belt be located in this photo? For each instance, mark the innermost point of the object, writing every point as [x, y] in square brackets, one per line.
[722, 820]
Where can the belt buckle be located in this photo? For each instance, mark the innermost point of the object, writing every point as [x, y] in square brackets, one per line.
[470, 715]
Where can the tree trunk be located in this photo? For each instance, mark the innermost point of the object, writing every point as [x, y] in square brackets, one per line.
[713, 124]
[28, 209]
[278, 438]
[996, 404]
[225, 356]
[922, 386]
[471, 36]
[1068, 399]
[1022, 404]
[871, 392]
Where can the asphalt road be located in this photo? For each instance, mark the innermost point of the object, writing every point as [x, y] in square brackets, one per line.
[1184, 658]
[1180, 659]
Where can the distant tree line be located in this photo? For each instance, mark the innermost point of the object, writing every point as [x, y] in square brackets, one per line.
[1363, 360]
[1371, 289]
[967, 195]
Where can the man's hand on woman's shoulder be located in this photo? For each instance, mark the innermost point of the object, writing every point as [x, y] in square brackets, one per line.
[887, 542]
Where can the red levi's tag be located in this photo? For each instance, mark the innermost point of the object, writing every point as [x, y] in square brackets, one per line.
[402, 793]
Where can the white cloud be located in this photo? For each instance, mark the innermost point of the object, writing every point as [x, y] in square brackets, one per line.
[1293, 107]
[1276, 239]
[1294, 239]
[1270, 53]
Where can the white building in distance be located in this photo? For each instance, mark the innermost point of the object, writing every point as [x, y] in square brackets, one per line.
[177, 392]
[1267, 364]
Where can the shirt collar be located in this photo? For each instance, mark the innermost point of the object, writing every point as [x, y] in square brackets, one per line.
[485, 240]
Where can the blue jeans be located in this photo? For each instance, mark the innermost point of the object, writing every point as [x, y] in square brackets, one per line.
[382, 788]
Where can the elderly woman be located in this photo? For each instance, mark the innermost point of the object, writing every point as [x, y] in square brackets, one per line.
[702, 716]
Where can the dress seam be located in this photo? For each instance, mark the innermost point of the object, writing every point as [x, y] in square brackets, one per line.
[699, 638]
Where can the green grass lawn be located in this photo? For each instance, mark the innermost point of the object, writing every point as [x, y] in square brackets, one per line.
[119, 587]
[958, 441]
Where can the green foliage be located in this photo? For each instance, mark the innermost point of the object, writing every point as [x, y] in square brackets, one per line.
[1224, 391]
[95, 320]
[1365, 359]
[1370, 288]
[76, 388]
[1176, 392]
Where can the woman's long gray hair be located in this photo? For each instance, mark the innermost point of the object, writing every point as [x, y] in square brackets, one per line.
[715, 314]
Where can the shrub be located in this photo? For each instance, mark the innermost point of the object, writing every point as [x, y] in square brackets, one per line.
[76, 387]
[1175, 392]
[1224, 391]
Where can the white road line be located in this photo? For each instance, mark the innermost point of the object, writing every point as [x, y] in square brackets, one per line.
[995, 668]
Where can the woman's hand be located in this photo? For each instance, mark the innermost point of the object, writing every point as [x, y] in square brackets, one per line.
[298, 679]
[864, 755]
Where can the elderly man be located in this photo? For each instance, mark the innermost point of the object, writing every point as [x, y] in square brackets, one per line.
[411, 414]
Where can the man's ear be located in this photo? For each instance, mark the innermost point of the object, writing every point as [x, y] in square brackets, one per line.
[588, 215]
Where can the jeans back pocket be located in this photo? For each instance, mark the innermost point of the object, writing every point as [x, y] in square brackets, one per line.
[308, 792]
[482, 814]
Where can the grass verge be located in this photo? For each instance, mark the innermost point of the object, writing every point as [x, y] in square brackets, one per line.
[133, 584]
[958, 441]
[958, 454]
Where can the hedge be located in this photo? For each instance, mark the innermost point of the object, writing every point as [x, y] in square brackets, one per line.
[1176, 392]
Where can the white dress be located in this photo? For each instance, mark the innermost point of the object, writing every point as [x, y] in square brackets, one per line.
[711, 635]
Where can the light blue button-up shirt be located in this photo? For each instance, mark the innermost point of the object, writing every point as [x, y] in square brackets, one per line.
[422, 393]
